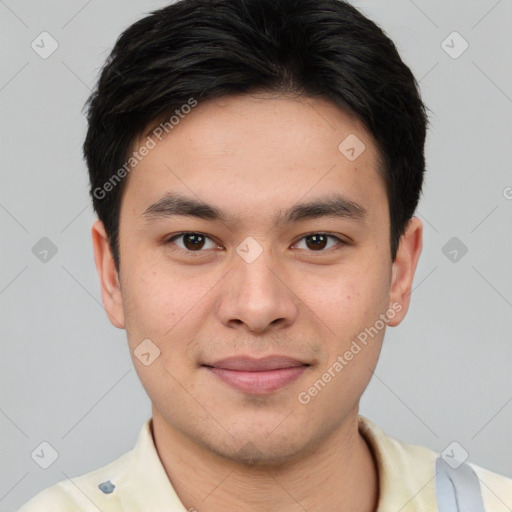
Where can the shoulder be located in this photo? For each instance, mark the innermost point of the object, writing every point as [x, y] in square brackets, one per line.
[82, 493]
[404, 468]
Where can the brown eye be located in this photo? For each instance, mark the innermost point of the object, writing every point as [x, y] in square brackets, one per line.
[317, 242]
[191, 242]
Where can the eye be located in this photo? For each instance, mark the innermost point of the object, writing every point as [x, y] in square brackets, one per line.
[192, 241]
[319, 241]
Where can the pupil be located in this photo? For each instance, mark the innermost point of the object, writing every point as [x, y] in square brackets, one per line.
[191, 236]
[315, 239]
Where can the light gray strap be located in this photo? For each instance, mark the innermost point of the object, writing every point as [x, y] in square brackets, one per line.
[458, 490]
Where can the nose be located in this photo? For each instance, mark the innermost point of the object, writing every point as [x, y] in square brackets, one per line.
[256, 296]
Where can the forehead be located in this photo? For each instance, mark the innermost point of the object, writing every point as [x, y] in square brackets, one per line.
[259, 151]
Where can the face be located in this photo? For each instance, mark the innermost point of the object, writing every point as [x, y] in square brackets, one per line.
[265, 316]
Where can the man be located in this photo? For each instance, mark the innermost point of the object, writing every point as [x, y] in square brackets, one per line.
[255, 166]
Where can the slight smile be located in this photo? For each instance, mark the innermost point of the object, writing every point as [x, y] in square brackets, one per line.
[257, 376]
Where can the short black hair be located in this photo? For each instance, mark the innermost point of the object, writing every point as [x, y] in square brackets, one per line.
[195, 50]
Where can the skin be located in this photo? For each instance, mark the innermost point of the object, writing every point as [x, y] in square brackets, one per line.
[252, 156]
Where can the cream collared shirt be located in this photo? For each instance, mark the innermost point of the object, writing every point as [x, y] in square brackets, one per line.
[137, 481]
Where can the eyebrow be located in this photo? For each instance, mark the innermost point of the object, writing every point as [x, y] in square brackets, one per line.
[334, 205]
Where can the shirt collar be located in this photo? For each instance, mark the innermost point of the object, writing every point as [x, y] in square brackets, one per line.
[406, 472]
[145, 472]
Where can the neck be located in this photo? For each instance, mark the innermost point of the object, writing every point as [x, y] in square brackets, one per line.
[339, 475]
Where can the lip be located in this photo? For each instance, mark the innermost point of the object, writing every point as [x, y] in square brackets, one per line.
[253, 364]
[257, 376]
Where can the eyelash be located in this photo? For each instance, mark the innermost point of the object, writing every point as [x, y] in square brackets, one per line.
[201, 252]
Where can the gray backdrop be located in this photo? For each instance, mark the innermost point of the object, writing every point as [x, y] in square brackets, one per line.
[66, 375]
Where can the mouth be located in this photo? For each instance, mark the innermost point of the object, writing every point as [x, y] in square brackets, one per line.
[257, 376]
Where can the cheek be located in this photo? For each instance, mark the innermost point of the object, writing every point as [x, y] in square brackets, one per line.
[157, 309]
[349, 299]
[169, 309]
[153, 304]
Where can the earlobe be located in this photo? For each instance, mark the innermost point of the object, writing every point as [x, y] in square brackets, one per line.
[404, 268]
[107, 273]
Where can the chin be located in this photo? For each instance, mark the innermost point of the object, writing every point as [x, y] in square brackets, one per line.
[263, 457]
[258, 448]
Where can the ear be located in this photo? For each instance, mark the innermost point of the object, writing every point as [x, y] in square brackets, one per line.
[109, 279]
[403, 269]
